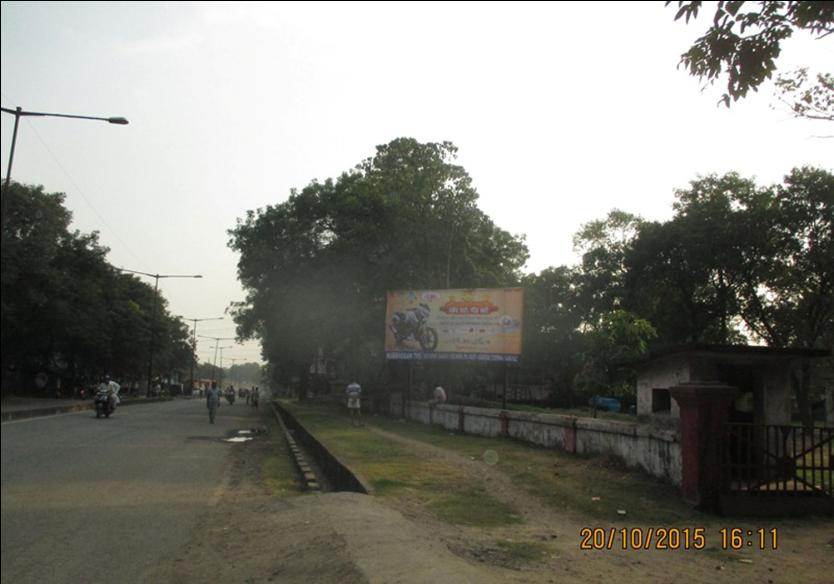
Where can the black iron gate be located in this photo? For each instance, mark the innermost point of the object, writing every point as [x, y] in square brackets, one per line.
[777, 460]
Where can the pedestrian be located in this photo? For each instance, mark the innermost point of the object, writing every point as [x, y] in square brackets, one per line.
[354, 399]
[213, 401]
[439, 396]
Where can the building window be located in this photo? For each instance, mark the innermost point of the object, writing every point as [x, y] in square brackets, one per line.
[661, 401]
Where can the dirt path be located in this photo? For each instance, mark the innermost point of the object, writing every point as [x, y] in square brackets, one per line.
[806, 553]
[250, 536]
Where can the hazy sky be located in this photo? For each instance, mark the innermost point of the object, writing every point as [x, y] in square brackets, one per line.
[560, 111]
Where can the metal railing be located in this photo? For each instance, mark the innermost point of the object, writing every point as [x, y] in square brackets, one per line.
[789, 460]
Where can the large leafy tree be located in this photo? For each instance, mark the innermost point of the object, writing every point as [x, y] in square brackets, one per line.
[742, 261]
[604, 244]
[316, 267]
[65, 310]
[745, 39]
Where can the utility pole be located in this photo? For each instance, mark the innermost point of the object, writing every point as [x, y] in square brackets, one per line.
[232, 368]
[152, 343]
[216, 347]
[222, 371]
[194, 344]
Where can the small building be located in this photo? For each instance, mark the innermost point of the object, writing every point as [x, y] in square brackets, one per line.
[761, 376]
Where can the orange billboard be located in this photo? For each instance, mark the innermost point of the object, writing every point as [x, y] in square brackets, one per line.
[481, 324]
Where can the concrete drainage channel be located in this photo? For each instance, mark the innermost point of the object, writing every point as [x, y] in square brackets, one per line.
[311, 483]
[339, 476]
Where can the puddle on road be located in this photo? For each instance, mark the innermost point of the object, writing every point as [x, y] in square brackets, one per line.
[234, 436]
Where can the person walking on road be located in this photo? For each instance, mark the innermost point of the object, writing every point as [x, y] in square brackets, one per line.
[213, 401]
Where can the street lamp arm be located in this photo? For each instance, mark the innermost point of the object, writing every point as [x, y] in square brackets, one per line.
[177, 276]
[137, 272]
[159, 276]
[112, 120]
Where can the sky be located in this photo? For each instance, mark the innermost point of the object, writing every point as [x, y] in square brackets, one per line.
[560, 111]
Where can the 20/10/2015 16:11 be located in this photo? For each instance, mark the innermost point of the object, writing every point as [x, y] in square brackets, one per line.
[737, 538]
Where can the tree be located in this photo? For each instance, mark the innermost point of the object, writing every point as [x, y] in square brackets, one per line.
[681, 273]
[743, 43]
[316, 267]
[807, 99]
[604, 244]
[552, 339]
[737, 262]
[612, 345]
[65, 310]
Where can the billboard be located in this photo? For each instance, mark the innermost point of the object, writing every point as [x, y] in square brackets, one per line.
[482, 324]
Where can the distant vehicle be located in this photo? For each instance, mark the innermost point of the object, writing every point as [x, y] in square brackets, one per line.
[608, 404]
[105, 403]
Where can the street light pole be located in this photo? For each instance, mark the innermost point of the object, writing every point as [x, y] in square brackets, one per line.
[216, 346]
[194, 344]
[221, 361]
[234, 375]
[151, 343]
[18, 113]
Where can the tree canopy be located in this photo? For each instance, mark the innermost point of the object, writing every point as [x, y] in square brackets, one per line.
[737, 262]
[66, 311]
[745, 39]
[316, 267]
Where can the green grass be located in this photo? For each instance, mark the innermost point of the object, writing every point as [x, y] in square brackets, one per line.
[593, 487]
[473, 507]
[395, 471]
[522, 551]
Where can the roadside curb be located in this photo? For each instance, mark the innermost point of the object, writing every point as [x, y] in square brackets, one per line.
[339, 474]
[55, 410]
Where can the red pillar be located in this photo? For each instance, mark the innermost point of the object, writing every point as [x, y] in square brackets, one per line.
[704, 409]
[504, 419]
[570, 436]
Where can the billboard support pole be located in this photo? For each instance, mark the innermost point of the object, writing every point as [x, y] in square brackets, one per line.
[506, 378]
[407, 394]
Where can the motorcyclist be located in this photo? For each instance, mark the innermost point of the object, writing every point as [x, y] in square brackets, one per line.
[408, 323]
[112, 388]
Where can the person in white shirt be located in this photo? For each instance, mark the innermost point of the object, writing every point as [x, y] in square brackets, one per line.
[439, 396]
[112, 388]
[354, 399]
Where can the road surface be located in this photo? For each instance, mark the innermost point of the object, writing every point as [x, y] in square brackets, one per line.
[87, 500]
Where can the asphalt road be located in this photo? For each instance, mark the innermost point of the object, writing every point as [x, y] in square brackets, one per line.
[87, 500]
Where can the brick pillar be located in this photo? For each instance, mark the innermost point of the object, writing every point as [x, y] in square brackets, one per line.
[704, 409]
[504, 419]
[570, 436]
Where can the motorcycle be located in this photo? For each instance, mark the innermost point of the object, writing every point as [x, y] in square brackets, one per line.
[230, 397]
[105, 404]
[421, 332]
